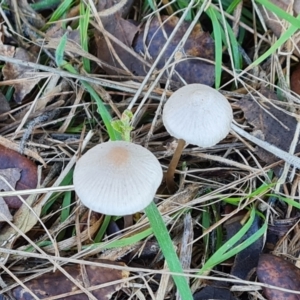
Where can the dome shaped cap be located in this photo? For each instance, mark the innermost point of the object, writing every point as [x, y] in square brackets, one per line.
[198, 114]
[117, 178]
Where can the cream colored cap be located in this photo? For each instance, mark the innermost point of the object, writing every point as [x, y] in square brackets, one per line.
[198, 114]
[117, 178]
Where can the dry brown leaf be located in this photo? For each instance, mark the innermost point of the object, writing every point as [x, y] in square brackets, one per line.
[124, 31]
[56, 284]
[189, 65]
[274, 126]
[149, 42]
[27, 77]
[15, 147]
[276, 271]
[28, 180]
[57, 31]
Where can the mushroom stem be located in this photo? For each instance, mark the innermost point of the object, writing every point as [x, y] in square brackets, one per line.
[289, 158]
[172, 166]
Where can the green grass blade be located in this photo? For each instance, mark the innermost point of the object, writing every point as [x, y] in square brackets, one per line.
[232, 6]
[206, 225]
[227, 250]
[218, 45]
[44, 4]
[105, 115]
[150, 4]
[65, 213]
[103, 229]
[280, 12]
[283, 38]
[289, 201]
[60, 51]
[66, 181]
[162, 235]
[83, 29]
[61, 10]
[122, 242]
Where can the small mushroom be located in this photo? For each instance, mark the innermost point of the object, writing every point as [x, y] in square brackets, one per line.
[196, 114]
[117, 178]
[200, 115]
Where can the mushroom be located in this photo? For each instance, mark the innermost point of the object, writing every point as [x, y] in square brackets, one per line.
[200, 115]
[117, 178]
[120, 178]
[196, 114]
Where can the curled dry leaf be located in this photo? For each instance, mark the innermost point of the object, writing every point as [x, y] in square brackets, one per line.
[28, 180]
[55, 284]
[188, 63]
[27, 77]
[276, 271]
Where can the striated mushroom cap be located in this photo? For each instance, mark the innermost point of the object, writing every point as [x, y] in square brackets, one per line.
[117, 178]
[198, 114]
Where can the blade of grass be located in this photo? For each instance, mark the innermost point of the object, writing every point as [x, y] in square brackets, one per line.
[232, 6]
[65, 213]
[280, 13]
[289, 201]
[44, 4]
[217, 35]
[162, 235]
[61, 10]
[219, 232]
[66, 181]
[205, 225]
[283, 38]
[83, 28]
[60, 51]
[105, 115]
[102, 230]
[227, 250]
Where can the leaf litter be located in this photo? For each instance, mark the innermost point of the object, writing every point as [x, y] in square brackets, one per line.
[53, 232]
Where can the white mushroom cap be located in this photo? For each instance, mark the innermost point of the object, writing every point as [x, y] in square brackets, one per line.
[117, 178]
[198, 114]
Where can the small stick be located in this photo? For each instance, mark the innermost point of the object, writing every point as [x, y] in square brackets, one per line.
[289, 158]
